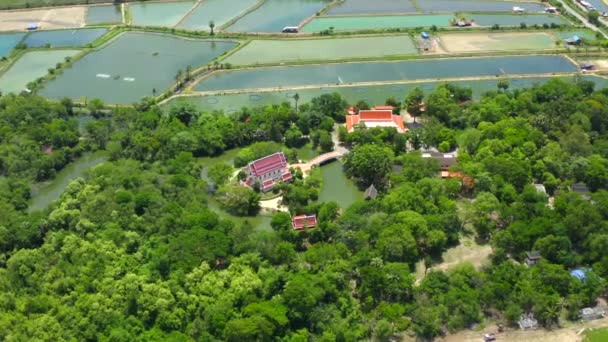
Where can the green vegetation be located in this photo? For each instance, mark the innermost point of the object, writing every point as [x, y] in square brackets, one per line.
[596, 335]
[134, 251]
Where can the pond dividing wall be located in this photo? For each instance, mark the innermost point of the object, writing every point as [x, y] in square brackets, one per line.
[132, 66]
[384, 71]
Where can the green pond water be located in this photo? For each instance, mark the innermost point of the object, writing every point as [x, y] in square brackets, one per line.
[374, 95]
[585, 34]
[274, 15]
[383, 71]
[515, 20]
[599, 5]
[376, 6]
[29, 67]
[159, 13]
[131, 66]
[377, 22]
[8, 41]
[220, 11]
[476, 5]
[104, 14]
[64, 38]
[43, 194]
[274, 51]
[337, 187]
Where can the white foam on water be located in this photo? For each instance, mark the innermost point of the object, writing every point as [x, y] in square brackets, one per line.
[103, 75]
[129, 79]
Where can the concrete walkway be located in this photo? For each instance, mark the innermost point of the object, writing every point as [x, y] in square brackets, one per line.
[581, 18]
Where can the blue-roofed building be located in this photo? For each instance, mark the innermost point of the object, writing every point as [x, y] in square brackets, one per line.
[574, 40]
[580, 273]
[424, 35]
[32, 27]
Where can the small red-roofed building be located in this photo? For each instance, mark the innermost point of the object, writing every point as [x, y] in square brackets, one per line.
[379, 116]
[268, 170]
[304, 221]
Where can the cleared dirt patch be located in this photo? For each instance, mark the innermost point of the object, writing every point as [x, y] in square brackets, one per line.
[46, 19]
[467, 42]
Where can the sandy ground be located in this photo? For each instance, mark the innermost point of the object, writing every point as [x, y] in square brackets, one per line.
[474, 42]
[273, 205]
[47, 18]
[600, 64]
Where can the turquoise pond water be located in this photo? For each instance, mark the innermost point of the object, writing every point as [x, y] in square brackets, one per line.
[384, 71]
[377, 22]
[370, 7]
[585, 34]
[220, 11]
[64, 38]
[476, 6]
[8, 41]
[274, 15]
[374, 95]
[131, 66]
[104, 14]
[599, 5]
[165, 14]
[516, 20]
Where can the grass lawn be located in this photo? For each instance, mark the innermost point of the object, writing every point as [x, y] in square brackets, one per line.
[596, 335]
[274, 51]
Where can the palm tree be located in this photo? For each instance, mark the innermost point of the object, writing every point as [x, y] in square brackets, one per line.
[296, 98]
[178, 77]
[154, 92]
[212, 26]
[188, 71]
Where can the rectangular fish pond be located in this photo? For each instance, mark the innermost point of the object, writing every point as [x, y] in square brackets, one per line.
[29, 67]
[104, 14]
[132, 66]
[372, 7]
[377, 22]
[274, 15]
[64, 38]
[164, 14]
[501, 41]
[274, 51]
[220, 11]
[476, 6]
[8, 41]
[516, 19]
[373, 95]
[384, 71]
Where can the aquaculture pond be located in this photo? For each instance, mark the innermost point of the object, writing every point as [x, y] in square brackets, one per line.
[585, 34]
[476, 6]
[133, 66]
[377, 94]
[218, 11]
[64, 38]
[43, 194]
[345, 73]
[516, 20]
[337, 187]
[370, 7]
[377, 22]
[104, 14]
[8, 41]
[274, 15]
[159, 13]
[274, 51]
[29, 67]
[599, 5]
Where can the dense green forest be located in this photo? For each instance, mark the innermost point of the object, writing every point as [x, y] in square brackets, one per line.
[133, 252]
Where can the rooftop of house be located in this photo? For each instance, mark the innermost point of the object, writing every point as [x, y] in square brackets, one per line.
[268, 164]
[533, 255]
[371, 192]
[380, 116]
[304, 221]
[445, 159]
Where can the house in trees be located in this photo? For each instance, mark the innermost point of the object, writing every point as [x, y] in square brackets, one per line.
[589, 314]
[268, 170]
[304, 221]
[445, 160]
[371, 193]
[379, 116]
[527, 322]
[532, 258]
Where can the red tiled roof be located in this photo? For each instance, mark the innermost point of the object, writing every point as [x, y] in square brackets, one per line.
[383, 108]
[268, 164]
[286, 177]
[375, 115]
[267, 184]
[304, 221]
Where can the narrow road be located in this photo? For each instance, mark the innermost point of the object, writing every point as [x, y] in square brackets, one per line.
[581, 18]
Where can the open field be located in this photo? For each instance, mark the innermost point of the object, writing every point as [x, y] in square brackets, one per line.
[64, 38]
[345, 73]
[220, 11]
[274, 51]
[371, 94]
[29, 67]
[377, 22]
[473, 42]
[596, 335]
[131, 66]
[52, 18]
[104, 14]
[274, 15]
[165, 14]
[8, 41]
